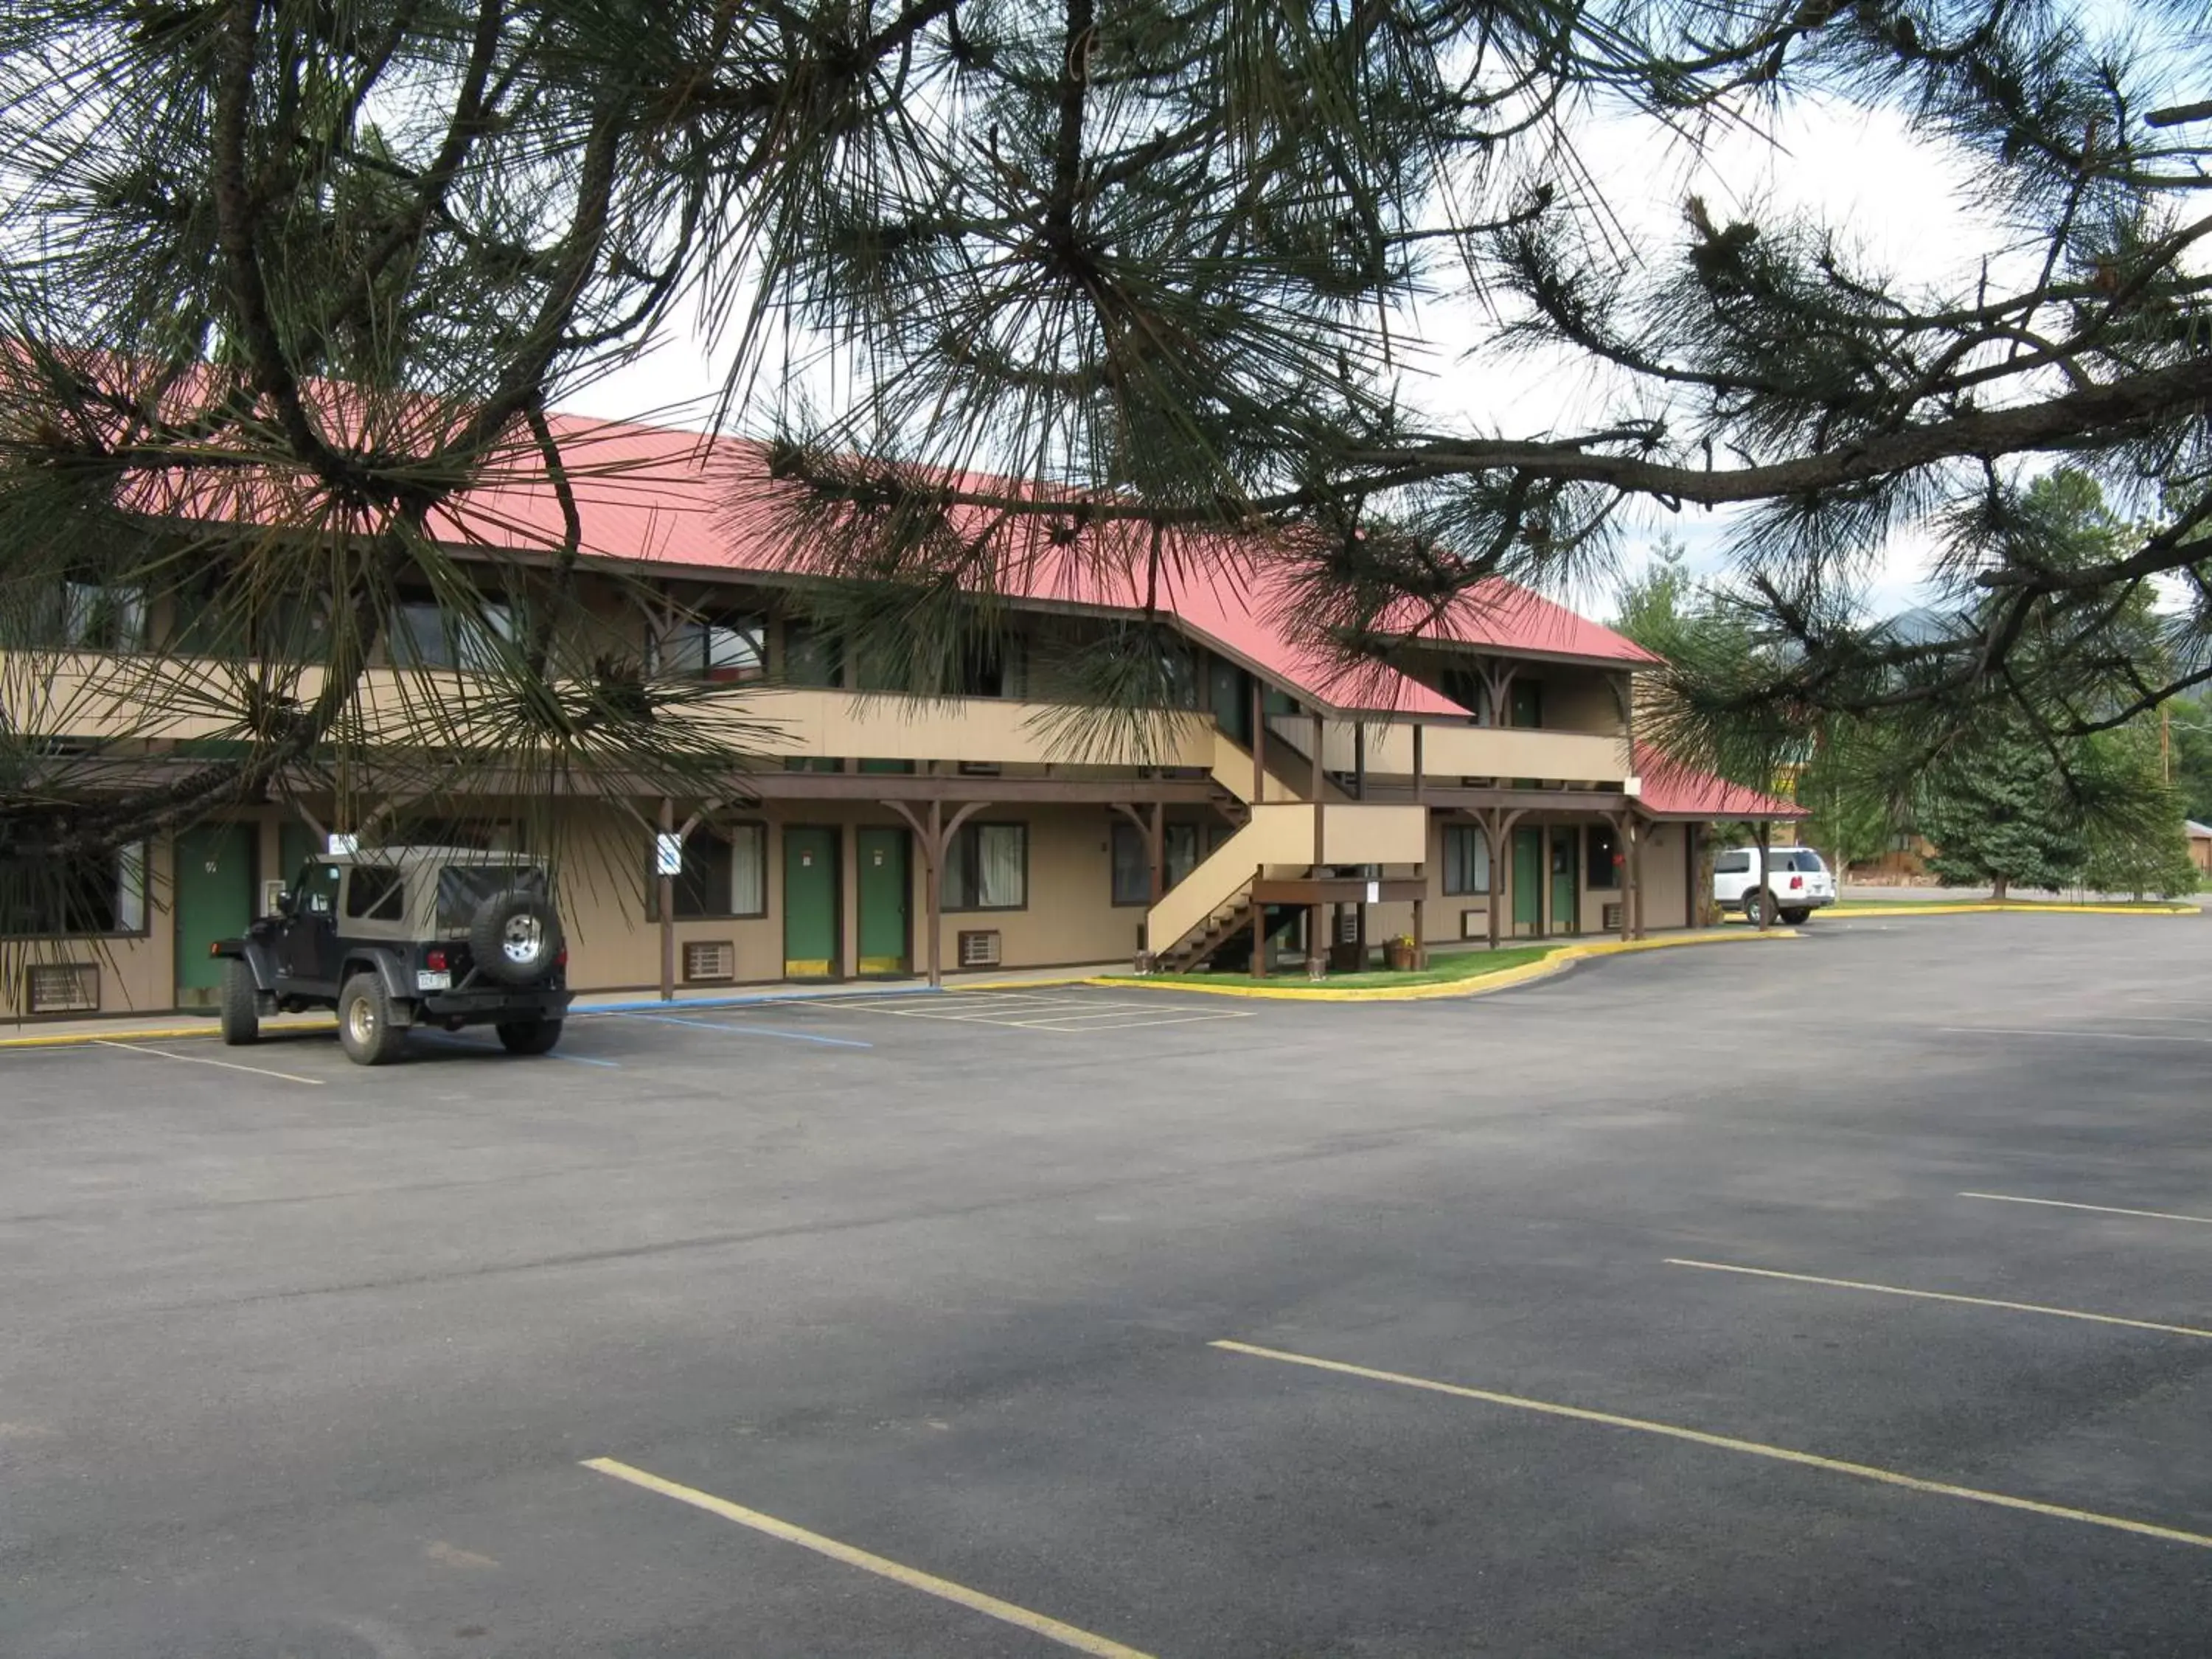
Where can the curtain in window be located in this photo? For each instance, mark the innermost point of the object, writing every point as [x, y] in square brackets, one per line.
[748, 870]
[1466, 859]
[998, 861]
[1133, 875]
[130, 889]
[1182, 850]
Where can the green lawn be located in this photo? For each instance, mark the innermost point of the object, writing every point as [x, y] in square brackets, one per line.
[1461, 965]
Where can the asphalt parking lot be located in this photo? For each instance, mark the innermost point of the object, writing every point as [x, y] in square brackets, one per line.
[1850, 1294]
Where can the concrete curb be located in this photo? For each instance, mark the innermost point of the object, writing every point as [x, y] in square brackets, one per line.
[1506, 979]
[635, 1006]
[1985, 906]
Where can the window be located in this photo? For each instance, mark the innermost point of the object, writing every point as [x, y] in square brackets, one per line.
[425, 635]
[1737, 863]
[1466, 859]
[100, 894]
[725, 874]
[1133, 870]
[727, 648]
[1602, 842]
[1468, 688]
[811, 656]
[315, 893]
[83, 613]
[993, 668]
[463, 887]
[1802, 858]
[375, 892]
[986, 867]
[1528, 703]
[1132, 864]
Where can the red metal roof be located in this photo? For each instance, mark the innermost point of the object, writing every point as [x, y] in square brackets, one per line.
[656, 495]
[1673, 789]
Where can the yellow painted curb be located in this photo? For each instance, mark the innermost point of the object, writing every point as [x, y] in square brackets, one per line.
[1984, 907]
[1558, 962]
[140, 1034]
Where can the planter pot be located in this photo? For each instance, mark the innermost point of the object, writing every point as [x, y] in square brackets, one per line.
[1402, 958]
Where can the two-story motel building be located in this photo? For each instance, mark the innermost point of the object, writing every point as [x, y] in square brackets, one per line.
[1487, 785]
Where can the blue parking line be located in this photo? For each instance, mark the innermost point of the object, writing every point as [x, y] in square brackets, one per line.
[449, 1041]
[753, 1031]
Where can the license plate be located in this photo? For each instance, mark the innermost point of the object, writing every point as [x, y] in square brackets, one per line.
[427, 981]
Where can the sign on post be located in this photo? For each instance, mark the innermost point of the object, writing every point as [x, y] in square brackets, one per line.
[668, 853]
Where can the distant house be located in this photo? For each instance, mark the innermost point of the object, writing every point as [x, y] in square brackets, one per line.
[2200, 844]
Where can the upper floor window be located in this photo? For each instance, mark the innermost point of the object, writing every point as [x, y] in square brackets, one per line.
[732, 648]
[426, 635]
[82, 614]
[1527, 703]
[1471, 691]
[811, 656]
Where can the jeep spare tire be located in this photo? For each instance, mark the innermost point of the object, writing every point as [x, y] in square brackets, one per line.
[514, 937]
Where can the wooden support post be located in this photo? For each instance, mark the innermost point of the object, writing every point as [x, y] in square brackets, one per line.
[1620, 828]
[1156, 850]
[1258, 743]
[1359, 760]
[934, 891]
[1420, 936]
[667, 908]
[1693, 897]
[1492, 833]
[1636, 870]
[1318, 941]
[1259, 927]
[1765, 876]
[1419, 779]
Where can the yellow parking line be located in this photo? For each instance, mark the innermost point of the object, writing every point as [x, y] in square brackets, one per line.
[1941, 1296]
[2096, 1209]
[201, 1060]
[928, 1584]
[1726, 1442]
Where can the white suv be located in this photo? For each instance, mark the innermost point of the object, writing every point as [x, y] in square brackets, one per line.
[1798, 884]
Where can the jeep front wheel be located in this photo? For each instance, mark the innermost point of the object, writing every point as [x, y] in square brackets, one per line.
[530, 1037]
[367, 1029]
[241, 1011]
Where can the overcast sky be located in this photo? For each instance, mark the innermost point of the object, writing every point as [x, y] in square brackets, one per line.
[1904, 202]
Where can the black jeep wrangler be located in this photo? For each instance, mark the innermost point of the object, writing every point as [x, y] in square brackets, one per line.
[401, 936]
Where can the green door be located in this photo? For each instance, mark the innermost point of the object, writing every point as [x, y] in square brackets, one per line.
[1528, 879]
[1566, 882]
[214, 899]
[295, 846]
[810, 902]
[883, 889]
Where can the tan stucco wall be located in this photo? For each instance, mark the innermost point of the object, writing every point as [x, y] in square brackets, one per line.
[1070, 917]
[137, 973]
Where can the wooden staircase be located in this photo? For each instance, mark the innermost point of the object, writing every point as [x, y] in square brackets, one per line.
[1197, 947]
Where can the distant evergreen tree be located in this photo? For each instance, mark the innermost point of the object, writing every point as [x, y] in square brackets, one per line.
[1999, 816]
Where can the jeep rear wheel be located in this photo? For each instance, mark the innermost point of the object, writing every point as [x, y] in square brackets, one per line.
[368, 1030]
[529, 1036]
[241, 1010]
